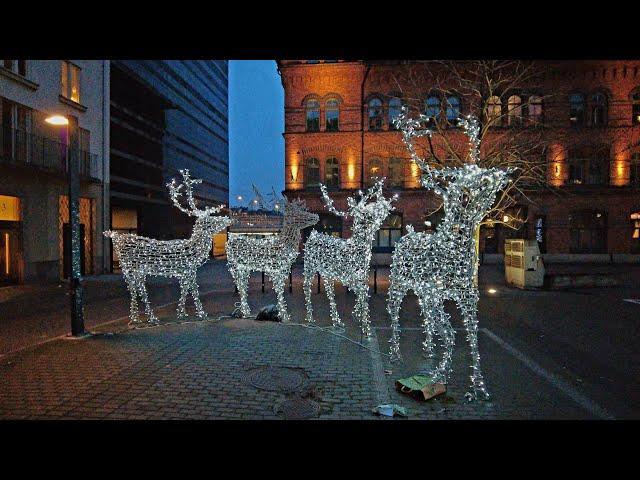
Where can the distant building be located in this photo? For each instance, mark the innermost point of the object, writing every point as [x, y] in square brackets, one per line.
[166, 115]
[34, 239]
[338, 131]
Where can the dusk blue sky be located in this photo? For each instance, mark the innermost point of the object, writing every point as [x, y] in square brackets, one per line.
[256, 123]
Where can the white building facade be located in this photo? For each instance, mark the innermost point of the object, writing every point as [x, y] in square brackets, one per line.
[34, 243]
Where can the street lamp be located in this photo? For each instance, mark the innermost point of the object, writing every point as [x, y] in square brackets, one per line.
[75, 282]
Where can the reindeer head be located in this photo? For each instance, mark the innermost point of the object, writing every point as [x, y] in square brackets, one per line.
[297, 214]
[367, 215]
[205, 218]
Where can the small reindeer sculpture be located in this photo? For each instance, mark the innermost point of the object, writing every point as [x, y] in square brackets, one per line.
[273, 255]
[347, 261]
[141, 256]
[440, 266]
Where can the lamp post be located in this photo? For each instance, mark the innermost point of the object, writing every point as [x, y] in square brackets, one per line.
[75, 281]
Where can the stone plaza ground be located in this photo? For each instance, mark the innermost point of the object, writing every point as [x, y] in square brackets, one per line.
[545, 355]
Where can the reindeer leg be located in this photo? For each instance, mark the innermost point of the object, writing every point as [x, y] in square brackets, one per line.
[329, 286]
[195, 294]
[468, 305]
[361, 308]
[133, 290]
[394, 302]
[279, 279]
[243, 290]
[427, 324]
[308, 276]
[151, 317]
[184, 290]
[447, 333]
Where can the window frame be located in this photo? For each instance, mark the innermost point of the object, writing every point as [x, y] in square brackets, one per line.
[66, 89]
[308, 109]
[493, 105]
[334, 108]
[309, 164]
[377, 161]
[514, 114]
[634, 169]
[375, 122]
[635, 108]
[386, 228]
[391, 108]
[396, 181]
[580, 112]
[332, 168]
[600, 105]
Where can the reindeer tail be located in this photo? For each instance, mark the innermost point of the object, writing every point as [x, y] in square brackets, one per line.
[109, 233]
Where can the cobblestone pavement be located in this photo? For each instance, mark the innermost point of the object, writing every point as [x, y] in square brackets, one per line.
[201, 370]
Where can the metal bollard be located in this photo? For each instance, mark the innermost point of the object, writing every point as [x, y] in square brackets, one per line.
[318, 282]
[262, 282]
[290, 282]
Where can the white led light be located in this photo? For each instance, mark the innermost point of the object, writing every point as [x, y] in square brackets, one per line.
[440, 266]
[142, 256]
[273, 255]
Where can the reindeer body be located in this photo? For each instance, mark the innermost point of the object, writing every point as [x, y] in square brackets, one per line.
[440, 266]
[273, 255]
[141, 256]
[346, 261]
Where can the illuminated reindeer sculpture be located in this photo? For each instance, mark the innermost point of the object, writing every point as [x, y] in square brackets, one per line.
[440, 266]
[347, 261]
[141, 256]
[273, 255]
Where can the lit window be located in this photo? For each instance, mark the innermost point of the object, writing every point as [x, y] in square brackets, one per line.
[312, 172]
[70, 81]
[598, 110]
[635, 108]
[375, 169]
[453, 109]
[535, 110]
[635, 232]
[576, 109]
[375, 114]
[514, 117]
[635, 169]
[332, 173]
[16, 66]
[395, 107]
[332, 114]
[432, 107]
[396, 173]
[313, 116]
[494, 111]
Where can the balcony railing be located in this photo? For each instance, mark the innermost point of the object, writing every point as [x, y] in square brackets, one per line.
[18, 147]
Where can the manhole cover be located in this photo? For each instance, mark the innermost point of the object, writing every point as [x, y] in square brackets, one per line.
[278, 379]
[297, 409]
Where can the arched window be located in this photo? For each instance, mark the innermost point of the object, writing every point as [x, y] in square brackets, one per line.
[453, 109]
[589, 166]
[332, 173]
[599, 166]
[432, 107]
[396, 172]
[576, 109]
[635, 108]
[375, 169]
[313, 116]
[535, 110]
[635, 169]
[494, 111]
[311, 173]
[395, 106]
[598, 110]
[375, 114]
[332, 115]
[588, 231]
[514, 117]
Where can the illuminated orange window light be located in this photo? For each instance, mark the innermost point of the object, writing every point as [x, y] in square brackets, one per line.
[6, 254]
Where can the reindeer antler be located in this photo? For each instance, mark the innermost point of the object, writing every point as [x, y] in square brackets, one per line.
[472, 131]
[329, 202]
[176, 192]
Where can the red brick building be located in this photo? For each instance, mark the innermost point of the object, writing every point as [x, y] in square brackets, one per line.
[338, 132]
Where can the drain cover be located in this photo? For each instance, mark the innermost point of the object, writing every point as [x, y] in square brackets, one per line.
[297, 409]
[277, 379]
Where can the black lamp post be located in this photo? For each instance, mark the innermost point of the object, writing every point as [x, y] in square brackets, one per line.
[75, 281]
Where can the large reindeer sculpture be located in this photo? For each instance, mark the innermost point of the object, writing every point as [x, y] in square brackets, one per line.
[348, 260]
[273, 255]
[440, 266]
[141, 256]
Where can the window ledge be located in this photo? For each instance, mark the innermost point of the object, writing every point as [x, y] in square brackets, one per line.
[18, 78]
[71, 103]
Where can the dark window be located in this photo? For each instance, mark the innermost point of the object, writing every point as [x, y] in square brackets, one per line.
[396, 172]
[635, 169]
[588, 231]
[576, 109]
[589, 166]
[328, 223]
[375, 114]
[332, 173]
[514, 111]
[375, 170]
[635, 108]
[535, 110]
[432, 107]
[395, 106]
[453, 109]
[332, 114]
[494, 111]
[16, 66]
[312, 172]
[598, 110]
[389, 233]
[313, 116]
